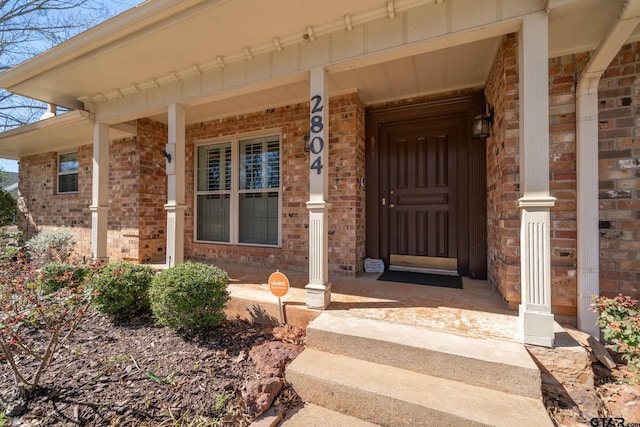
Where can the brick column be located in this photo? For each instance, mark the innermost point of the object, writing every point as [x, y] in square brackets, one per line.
[175, 164]
[319, 288]
[100, 192]
[536, 319]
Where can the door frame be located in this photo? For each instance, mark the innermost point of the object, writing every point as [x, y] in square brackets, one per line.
[471, 197]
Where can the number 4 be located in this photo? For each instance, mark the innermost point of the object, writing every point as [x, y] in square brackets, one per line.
[317, 165]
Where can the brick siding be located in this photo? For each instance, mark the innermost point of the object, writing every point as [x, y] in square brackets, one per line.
[503, 174]
[619, 175]
[346, 195]
[137, 193]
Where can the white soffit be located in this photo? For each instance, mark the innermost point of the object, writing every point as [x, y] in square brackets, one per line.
[59, 133]
[578, 25]
[199, 35]
[207, 33]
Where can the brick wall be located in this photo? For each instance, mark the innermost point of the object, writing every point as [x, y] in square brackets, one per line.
[503, 174]
[137, 192]
[42, 209]
[152, 190]
[563, 72]
[346, 166]
[619, 174]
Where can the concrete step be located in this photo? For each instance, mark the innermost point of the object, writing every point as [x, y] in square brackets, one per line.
[485, 362]
[392, 396]
[311, 415]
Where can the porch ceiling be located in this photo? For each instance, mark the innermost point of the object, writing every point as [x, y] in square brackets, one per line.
[463, 66]
[163, 36]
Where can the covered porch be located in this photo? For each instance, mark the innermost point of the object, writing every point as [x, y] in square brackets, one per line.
[379, 55]
[475, 310]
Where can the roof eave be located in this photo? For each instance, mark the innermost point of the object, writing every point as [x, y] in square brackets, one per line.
[102, 35]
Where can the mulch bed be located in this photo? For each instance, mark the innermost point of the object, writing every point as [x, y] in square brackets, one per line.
[132, 372]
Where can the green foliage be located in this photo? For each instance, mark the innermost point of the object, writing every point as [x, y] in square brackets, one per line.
[8, 208]
[9, 244]
[619, 319]
[50, 246]
[122, 288]
[24, 308]
[190, 296]
[57, 275]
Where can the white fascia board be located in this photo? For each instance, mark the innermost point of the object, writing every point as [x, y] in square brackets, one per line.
[70, 118]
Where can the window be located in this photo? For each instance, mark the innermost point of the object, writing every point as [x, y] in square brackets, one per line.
[68, 173]
[238, 191]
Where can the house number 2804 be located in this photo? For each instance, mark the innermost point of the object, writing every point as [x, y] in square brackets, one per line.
[316, 145]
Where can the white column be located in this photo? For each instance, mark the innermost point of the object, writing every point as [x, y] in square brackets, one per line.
[100, 192]
[536, 319]
[319, 288]
[175, 164]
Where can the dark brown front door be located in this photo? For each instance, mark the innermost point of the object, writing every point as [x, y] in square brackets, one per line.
[426, 185]
[422, 188]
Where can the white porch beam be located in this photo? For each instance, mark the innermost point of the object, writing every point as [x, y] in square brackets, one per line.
[175, 165]
[100, 192]
[319, 288]
[536, 319]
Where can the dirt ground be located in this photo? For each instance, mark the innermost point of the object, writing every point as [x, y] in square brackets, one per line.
[616, 401]
[134, 373]
[125, 373]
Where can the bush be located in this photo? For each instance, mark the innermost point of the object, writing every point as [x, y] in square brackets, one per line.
[619, 319]
[57, 275]
[8, 208]
[190, 296]
[122, 288]
[50, 246]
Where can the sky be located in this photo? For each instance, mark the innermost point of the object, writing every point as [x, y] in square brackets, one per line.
[116, 7]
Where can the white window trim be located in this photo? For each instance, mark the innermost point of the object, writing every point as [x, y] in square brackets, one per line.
[234, 200]
[76, 172]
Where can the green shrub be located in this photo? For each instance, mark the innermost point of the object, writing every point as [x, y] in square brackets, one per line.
[122, 288]
[57, 275]
[8, 208]
[619, 319]
[190, 296]
[50, 246]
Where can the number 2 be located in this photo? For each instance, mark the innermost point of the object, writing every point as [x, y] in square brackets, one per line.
[318, 104]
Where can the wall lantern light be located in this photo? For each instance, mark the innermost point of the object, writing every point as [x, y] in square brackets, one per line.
[307, 146]
[481, 127]
[167, 155]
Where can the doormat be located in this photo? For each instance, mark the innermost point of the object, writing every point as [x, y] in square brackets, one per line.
[440, 280]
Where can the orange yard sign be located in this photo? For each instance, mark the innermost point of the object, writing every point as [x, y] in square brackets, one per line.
[278, 284]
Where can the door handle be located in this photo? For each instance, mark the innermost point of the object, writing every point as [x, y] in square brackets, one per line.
[391, 205]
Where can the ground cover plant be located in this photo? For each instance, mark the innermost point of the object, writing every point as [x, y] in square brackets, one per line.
[619, 319]
[50, 246]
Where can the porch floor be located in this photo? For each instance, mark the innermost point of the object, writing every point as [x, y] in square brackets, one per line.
[475, 310]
